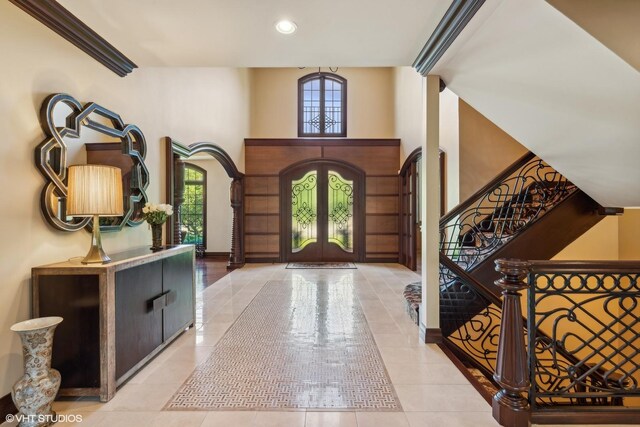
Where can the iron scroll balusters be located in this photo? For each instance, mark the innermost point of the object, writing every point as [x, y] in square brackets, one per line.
[590, 310]
[498, 214]
[51, 159]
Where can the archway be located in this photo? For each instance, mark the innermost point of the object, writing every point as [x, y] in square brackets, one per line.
[175, 153]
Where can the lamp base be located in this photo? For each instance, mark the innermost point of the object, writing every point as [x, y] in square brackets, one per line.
[96, 254]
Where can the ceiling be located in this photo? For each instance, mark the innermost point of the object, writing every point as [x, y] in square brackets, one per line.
[240, 33]
[560, 92]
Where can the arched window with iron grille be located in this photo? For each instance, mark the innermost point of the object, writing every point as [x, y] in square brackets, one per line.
[322, 105]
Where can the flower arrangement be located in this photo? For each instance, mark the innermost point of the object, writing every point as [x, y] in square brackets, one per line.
[156, 214]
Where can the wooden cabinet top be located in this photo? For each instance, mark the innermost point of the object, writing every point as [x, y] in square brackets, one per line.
[119, 261]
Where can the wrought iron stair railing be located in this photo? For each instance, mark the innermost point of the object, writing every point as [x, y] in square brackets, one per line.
[523, 193]
[472, 235]
[583, 333]
[590, 310]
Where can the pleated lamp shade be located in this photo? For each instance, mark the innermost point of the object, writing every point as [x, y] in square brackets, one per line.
[94, 190]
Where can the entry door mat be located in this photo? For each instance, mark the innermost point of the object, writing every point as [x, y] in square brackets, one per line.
[322, 265]
[298, 345]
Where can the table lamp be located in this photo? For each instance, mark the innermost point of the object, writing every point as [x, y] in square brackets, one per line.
[94, 191]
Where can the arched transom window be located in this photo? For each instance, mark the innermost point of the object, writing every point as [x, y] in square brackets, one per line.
[322, 105]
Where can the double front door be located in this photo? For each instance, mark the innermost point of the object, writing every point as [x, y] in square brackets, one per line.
[322, 212]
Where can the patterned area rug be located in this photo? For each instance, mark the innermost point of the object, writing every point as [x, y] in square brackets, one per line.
[334, 265]
[298, 345]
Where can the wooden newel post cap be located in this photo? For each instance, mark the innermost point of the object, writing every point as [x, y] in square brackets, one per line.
[514, 271]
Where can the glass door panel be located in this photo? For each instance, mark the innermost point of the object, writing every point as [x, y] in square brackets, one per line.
[340, 211]
[304, 211]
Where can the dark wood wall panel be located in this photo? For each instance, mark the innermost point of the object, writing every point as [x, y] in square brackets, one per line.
[382, 204]
[260, 224]
[382, 185]
[265, 159]
[382, 244]
[382, 224]
[261, 185]
[271, 160]
[262, 204]
[262, 244]
[374, 160]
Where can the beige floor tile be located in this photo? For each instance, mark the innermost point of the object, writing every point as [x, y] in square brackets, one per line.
[126, 419]
[457, 419]
[384, 328]
[417, 355]
[436, 373]
[140, 397]
[89, 419]
[441, 398]
[382, 419]
[397, 341]
[229, 419]
[170, 373]
[279, 419]
[78, 405]
[331, 419]
[178, 419]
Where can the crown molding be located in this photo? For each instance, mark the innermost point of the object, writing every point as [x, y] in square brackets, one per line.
[450, 26]
[55, 16]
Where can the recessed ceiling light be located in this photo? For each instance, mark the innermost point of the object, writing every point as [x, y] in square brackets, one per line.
[286, 27]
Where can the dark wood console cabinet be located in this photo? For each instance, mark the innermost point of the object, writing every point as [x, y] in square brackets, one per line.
[117, 316]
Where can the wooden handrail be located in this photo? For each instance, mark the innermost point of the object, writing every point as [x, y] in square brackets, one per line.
[466, 277]
[485, 189]
[544, 266]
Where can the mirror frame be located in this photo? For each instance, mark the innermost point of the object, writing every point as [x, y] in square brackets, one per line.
[175, 154]
[51, 158]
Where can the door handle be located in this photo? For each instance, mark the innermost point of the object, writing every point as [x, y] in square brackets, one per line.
[171, 297]
[158, 303]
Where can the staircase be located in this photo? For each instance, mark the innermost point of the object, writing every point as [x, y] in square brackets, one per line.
[529, 211]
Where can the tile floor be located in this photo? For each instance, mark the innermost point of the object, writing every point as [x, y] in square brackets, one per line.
[430, 389]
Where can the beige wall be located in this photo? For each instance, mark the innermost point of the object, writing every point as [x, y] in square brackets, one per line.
[600, 242]
[485, 150]
[219, 212]
[629, 234]
[409, 109]
[450, 144]
[187, 104]
[410, 125]
[274, 102]
[613, 23]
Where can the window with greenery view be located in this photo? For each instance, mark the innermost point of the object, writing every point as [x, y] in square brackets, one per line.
[322, 105]
[194, 208]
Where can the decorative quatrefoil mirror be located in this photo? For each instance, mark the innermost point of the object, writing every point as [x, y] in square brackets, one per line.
[77, 134]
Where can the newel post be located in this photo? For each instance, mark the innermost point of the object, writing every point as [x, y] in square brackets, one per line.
[236, 256]
[510, 408]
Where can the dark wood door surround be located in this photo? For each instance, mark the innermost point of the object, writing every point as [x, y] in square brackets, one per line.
[265, 159]
[323, 249]
[410, 235]
[175, 154]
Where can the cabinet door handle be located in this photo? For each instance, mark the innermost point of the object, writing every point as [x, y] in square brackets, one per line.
[172, 296]
[158, 303]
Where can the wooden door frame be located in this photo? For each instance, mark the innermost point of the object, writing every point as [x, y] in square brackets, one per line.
[175, 151]
[359, 212]
[408, 246]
